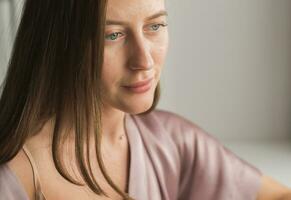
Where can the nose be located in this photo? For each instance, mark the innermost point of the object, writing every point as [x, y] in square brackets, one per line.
[140, 54]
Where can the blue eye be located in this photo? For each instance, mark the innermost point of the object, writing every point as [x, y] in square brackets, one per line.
[156, 27]
[113, 36]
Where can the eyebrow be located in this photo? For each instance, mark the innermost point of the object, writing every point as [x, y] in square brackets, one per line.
[154, 16]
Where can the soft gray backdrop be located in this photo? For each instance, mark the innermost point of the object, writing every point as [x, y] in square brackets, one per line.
[9, 17]
[229, 66]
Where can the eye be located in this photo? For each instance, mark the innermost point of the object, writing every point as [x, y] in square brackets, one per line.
[113, 36]
[156, 27]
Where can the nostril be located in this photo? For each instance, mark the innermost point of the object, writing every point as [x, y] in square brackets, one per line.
[142, 60]
[140, 53]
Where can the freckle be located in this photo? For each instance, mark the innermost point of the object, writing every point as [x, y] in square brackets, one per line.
[121, 137]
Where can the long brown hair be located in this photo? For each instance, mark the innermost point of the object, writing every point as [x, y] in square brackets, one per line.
[54, 72]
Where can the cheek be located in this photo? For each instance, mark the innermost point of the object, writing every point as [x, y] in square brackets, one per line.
[109, 70]
[112, 69]
[107, 65]
[114, 57]
[110, 57]
[112, 64]
[160, 53]
[160, 48]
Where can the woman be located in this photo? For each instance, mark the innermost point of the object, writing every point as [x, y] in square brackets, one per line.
[78, 118]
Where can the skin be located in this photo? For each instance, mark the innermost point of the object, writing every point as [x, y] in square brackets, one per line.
[134, 51]
[272, 190]
[136, 54]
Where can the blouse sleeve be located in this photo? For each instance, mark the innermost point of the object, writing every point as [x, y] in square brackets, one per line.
[210, 171]
[10, 188]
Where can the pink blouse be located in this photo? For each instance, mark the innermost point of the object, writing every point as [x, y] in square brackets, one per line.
[171, 158]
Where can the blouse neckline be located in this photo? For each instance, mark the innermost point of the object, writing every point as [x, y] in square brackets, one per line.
[137, 167]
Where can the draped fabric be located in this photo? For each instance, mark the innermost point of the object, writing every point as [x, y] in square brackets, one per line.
[171, 158]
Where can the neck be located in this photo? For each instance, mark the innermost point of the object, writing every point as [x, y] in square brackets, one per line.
[113, 129]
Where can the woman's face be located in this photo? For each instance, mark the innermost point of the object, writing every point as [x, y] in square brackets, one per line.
[136, 44]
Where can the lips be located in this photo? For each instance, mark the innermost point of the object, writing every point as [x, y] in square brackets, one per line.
[140, 87]
[140, 83]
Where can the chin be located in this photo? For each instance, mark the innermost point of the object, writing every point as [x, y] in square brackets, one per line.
[137, 107]
[134, 110]
[138, 104]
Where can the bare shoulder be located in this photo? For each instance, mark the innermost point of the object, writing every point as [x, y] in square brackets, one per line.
[22, 169]
[273, 190]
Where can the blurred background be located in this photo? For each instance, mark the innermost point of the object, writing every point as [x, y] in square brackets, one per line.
[228, 70]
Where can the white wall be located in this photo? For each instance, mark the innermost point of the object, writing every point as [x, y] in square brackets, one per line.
[5, 38]
[9, 17]
[229, 66]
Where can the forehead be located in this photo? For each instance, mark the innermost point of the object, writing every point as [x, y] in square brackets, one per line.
[133, 9]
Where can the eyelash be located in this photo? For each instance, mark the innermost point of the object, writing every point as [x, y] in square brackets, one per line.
[160, 25]
[107, 37]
